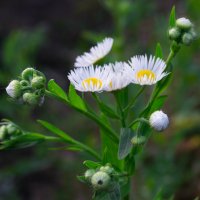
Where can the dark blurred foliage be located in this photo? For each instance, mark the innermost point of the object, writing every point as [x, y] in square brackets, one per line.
[48, 35]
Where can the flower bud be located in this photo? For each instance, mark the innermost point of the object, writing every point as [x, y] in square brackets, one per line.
[14, 89]
[3, 132]
[89, 173]
[24, 83]
[107, 169]
[187, 38]
[30, 98]
[138, 140]
[100, 180]
[183, 23]
[174, 33]
[27, 74]
[159, 121]
[38, 82]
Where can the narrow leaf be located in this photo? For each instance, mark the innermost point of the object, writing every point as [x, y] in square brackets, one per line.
[158, 103]
[158, 52]
[75, 99]
[108, 111]
[172, 18]
[125, 144]
[56, 131]
[56, 89]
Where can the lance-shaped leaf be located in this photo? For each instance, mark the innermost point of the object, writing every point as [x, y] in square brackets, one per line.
[57, 90]
[91, 164]
[125, 144]
[75, 99]
[172, 18]
[158, 103]
[158, 52]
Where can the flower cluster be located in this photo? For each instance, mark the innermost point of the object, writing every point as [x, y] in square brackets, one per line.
[183, 32]
[29, 88]
[114, 76]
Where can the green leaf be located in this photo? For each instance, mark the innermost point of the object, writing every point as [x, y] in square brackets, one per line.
[82, 179]
[159, 196]
[172, 18]
[105, 158]
[125, 144]
[75, 99]
[57, 90]
[56, 131]
[158, 103]
[91, 164]
[158, 52]
[23, 141]
[108, 111]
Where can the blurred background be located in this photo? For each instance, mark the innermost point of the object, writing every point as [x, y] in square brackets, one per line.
[48, 35]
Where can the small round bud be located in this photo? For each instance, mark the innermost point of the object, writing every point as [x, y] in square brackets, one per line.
[183, 23]
[3, 132]
[30, 98]
[14, 89]
[174, 33]
[187, 38]
[27, 74]
[159, 120]
[24, 83]
[38, 82]
[107, 169]
[138, 140]
[89, 173]
[100, 180]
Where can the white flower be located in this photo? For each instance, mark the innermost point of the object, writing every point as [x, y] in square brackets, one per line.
[144, 71]
[159, 120]
[183, 23]
[120, 78]
[96, 53]
[14, 89]
[90, 79]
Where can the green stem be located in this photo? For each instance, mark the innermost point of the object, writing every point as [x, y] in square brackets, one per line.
[122, 115]
[138, 120]
[90, 115]
[134, 99]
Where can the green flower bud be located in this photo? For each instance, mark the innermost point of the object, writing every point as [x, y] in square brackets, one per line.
[138, 140]
[89, 173]
[14, 89]
[100, 180]
[28, 73]
[31, 98]
[38, 82]
[183, 23]
[3, 132]
[24, 83]
[107, 169]
[174, 33]
[187, 38]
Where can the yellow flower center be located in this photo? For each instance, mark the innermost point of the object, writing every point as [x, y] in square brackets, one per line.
[145, 72]
[89, 82]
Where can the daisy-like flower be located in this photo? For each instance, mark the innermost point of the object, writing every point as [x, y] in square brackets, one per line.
[96, 53]
[90, 79]
[144, 71]
[120, 78]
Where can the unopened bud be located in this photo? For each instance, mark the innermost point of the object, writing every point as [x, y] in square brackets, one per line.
[14, 89]
[38, 82]
[138, 140]
[107, 169]
[28, 73]
[3, 132]
[174, 33]
[187, 38]
[30, 98]
[100, 180]
[159, 120]
[183, 23]
[89, 173]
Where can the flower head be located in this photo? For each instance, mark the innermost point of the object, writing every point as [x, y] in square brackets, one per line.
[100, 180]
[90, 79]
[14, 89]
[96, 53]
[159, 120]
[120, 78]
[144, 71]
[184, 23]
